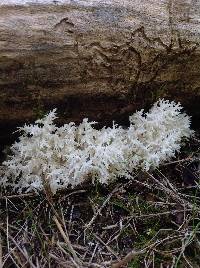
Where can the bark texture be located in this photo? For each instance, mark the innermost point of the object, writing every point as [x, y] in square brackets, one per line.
[96, 58]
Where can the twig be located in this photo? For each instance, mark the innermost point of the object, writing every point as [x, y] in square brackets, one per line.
[178, 161]
[161, 213]
[129, 257]
[174, 195]
[23, 253]
[65, 265]
[18, 196]
[108, 247]
[14, 262]
[7, 224]
[72, 193]
[67, 241]
[93, 253]
[1, 253]
[100, 209]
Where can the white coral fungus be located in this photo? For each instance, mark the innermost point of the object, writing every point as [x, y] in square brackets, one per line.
[70, 154]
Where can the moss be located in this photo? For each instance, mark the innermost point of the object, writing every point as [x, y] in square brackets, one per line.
[39, 112]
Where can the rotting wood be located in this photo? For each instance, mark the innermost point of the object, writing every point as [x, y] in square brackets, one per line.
[96, 59]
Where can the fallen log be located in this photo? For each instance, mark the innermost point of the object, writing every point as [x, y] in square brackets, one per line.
[96, 58]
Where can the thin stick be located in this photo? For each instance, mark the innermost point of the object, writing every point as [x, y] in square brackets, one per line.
[7, 224]
[161, 213]
[18, 196]
[65, 265]
[178, 161]
[23, 253]
[100, 209]
[129, 257]
[108, 247]
[1, 252]
[93, 253]
[67, 241]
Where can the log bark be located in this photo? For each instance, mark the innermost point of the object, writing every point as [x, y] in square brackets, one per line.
[96, 58]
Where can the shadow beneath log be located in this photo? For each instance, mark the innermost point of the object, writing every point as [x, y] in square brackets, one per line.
[102, 108]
